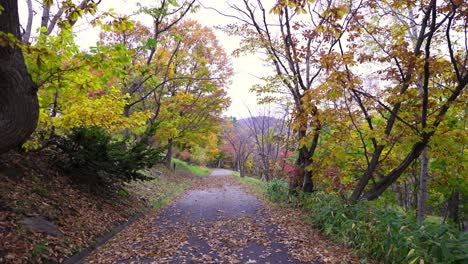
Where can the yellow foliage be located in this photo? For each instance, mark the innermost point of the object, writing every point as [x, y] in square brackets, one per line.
[104, 111]
[79, 109]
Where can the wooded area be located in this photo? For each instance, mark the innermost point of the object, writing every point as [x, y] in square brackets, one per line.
[365, 109]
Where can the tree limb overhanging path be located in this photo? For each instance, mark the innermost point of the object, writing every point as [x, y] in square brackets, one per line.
[218, 221]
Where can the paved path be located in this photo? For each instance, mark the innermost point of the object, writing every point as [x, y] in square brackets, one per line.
[216, 221]
[226, 226]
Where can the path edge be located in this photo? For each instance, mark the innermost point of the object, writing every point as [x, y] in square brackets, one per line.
[79, 257]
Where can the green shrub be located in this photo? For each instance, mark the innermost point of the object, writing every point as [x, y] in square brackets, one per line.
[277, 190]
[385, 234]
[92, 157]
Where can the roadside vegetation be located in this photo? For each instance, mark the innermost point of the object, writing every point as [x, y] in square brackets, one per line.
[254, 184]
[194, 169]
[383, 232]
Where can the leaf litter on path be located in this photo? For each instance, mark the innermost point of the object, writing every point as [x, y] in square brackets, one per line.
[216, 221]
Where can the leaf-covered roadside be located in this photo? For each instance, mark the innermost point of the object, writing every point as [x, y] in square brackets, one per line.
[379, 231]
[31, 188]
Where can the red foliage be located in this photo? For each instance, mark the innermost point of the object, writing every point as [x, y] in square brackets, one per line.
[293, 173]
[185, 155]
[96, 93]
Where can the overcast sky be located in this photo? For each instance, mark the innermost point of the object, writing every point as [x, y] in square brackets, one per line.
[247, 69]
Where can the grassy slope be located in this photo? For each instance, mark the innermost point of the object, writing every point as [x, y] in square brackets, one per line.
[160, 191]
[254, 184]
[197, 170]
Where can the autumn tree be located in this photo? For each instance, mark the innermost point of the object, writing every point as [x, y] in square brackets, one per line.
[299, 38]
[46, 67]
[179, 72]
[199, 73]
[423, 82]
[78, 88]
[148, 74]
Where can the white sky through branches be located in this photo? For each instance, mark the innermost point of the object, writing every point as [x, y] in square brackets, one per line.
[247, 69]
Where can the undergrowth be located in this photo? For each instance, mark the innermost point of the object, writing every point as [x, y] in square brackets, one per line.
[92, 156]
[385, 234]
[277, 190]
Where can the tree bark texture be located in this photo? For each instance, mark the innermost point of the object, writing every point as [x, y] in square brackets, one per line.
[453, 207]
[305, 159]
[423, 186]
[168, 158]
[19, 108]
[27, 31]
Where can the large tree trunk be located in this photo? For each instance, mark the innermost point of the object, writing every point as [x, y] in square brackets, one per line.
[19, 108]
[308, 184]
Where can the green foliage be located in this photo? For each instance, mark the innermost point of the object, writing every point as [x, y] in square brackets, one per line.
[256, 185]
[385, 234]
[123, 191]
[197, 170]
[277, 190]
[38, 250]
[94, 158]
